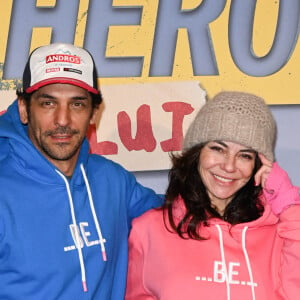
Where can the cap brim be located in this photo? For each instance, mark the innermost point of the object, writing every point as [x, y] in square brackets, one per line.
[61, 80]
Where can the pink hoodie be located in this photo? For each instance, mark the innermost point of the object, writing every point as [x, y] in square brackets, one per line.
[258, 260]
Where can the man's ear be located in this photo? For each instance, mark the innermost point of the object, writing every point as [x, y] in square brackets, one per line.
[94, 114]
[22, 110]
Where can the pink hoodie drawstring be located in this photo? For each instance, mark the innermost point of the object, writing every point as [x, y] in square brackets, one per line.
[251, 283]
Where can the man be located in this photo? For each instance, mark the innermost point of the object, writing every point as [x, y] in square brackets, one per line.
[65, 214]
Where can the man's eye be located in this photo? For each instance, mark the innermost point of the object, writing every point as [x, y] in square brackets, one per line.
[79, 104]
[47, 103]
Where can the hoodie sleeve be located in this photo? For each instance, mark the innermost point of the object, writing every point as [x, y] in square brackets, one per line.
[142, 199]
[289, 231]
[279, 191]
[284, 200]
[135, 278]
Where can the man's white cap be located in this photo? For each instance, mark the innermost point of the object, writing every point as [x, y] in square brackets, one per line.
[60, 63]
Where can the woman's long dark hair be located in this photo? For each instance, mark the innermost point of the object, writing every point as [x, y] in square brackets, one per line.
[185, 181]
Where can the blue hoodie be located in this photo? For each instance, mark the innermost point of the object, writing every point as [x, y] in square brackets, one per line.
[59, 236]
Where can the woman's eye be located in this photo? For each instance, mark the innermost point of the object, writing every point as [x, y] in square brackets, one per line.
[216, 148]
[247, 156]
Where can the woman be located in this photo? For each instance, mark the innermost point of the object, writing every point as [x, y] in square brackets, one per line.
[230, 224]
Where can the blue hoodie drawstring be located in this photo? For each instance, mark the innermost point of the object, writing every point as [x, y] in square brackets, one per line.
[99, 232]
[76, 233]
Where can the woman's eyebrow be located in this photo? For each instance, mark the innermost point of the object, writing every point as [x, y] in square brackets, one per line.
[248, 150]
[221, 143]
[242, 150]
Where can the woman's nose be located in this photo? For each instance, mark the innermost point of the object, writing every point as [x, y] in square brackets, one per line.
[229, 163]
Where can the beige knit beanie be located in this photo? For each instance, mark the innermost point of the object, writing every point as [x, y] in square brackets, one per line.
[234, 117]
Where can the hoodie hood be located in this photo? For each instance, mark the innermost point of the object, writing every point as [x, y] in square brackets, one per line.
[29, 161]
[267, 219]
[240, 235]
[55, 231]
[228, 264]
[16, 145]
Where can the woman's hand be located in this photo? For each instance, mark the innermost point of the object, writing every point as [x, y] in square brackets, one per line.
[263, 172]
[278, 189]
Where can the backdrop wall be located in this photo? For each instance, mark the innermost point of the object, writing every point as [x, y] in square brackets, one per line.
[158, 61]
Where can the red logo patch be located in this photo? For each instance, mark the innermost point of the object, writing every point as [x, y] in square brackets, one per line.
[63, 58]
[50, 70]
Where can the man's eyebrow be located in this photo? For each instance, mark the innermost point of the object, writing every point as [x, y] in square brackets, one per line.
[80, 98]
[44, 95]
[48, 96]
